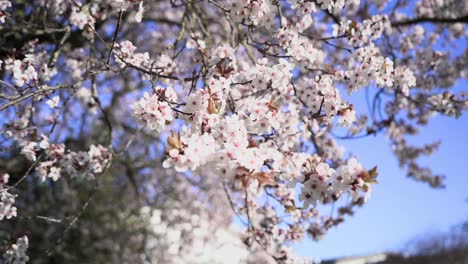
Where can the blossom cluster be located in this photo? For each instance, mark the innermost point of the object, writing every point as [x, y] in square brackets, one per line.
[124, 5]
[256, 12]
[24, 71]
[4, 5]
[243, 140]
[359, 34]
[86, 164]
[16, 254]
[333, 6]
[7, 200]
[380, 69]
[300, 47]
[82, 164]
[126, 55]
[155, 110]
[30, 70]
[82, 17]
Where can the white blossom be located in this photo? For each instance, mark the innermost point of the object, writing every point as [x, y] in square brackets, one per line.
[16, 254]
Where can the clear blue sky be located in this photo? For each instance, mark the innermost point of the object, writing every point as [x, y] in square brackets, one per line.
[400, 208]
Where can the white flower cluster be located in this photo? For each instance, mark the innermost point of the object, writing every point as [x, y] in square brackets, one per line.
[82, 164]
[24, 71]
[46, 168]
[323, 99]
[325, 184]
[123, 5]
[30, 147]
[7, 200]
[276, 77]
[443, 101]
[263, 116]
[269, 237]
[300, 47]
[336, 5]
[242, 146]
[154, 110]
[30, 70]
[362, 34]
[303, 7]
[372, 66]
[82, 17]
[193, 152]
[126, 55]
[4, 5]
[16, 254]
[255, 12]
[86, 164]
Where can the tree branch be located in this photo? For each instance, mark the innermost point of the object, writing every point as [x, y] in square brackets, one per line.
[434, 20]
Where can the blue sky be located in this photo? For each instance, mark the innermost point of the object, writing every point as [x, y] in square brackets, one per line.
[401, 209]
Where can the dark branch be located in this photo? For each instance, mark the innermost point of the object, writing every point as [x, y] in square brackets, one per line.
[435, 20]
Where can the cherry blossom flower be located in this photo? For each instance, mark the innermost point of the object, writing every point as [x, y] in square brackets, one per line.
[44, 143]
[28, 150]
[24, 71]
[7, 200]
[139, 14]
[16, 254]
[153, 112]
[4, 5]
[82, 17]
[54, 102]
